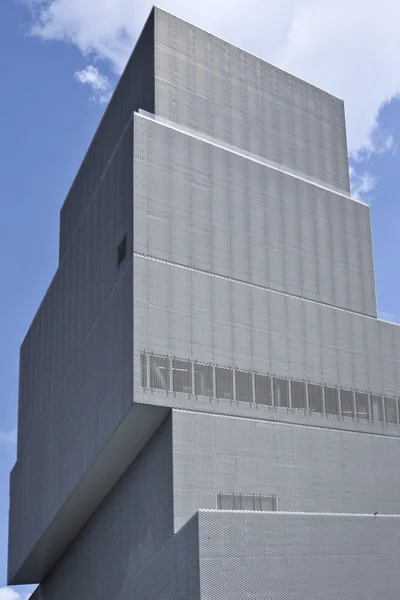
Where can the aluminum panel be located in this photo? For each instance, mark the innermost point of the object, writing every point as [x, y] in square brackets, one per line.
[121, 550]
[308, 469]
[241, 99]
[200, 211]
[198, 316]
[135, 90]
[297, 556]
[85, 324]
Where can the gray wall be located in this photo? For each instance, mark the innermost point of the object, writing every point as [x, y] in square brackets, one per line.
[135, 90]
[195, 315]
[128, 549]
[126, 532]
[173, 573]
[212, 86]
[76, 367]
[75, 370]
[275, 556]
[308, 469]
[206, 207]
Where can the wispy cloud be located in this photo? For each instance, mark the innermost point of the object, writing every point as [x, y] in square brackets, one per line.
[378, 143]
[325, 42]
[8, 437]
[362, 184]
[7, 593]
[99, 84]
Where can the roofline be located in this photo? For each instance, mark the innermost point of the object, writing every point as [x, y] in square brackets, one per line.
[155, 6]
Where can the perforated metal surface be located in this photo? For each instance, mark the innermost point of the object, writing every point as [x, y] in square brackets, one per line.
[208, 84]
[203, 206]
[110, 556]
[76, 368]
[201, 381]
[195, 276]
[128, 549]
[135, 90]
[198, 316]
[277, 556]
[308, 469]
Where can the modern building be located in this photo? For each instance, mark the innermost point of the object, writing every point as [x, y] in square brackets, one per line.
[208, 403]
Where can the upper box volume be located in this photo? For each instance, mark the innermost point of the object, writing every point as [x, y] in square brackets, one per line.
[184, 74]
[214, 87]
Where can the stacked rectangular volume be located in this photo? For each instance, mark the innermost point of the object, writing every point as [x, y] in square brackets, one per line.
[213, 86]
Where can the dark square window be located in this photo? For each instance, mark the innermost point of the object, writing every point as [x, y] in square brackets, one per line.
[121, 253]
[159, 372]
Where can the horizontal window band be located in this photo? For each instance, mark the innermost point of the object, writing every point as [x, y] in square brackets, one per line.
[176, 375]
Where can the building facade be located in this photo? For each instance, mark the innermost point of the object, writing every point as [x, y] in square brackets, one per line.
[208, 403]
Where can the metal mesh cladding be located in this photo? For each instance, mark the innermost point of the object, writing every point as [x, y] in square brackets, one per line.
[207, 207]
[176, 376]
[216, 88]
[307, 468]
[210, 320]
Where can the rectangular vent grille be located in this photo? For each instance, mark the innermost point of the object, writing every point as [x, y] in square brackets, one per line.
[246, 502]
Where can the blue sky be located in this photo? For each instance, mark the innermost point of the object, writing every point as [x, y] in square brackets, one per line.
[59, 62]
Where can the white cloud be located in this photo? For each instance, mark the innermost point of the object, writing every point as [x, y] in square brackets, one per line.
[100, 84]
[362, 184]
[7, 593]
[349, 48]
[8, 437]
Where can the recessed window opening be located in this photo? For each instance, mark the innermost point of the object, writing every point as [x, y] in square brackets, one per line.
[331, 400]
[281, 392]
[315, 397]
[244, 391]
[181, 376]
[362, 405]
[263, 393]
[346, 401]
[143, 369]
[390, 409]
[256, 502]
[159, 372]
[186, 376]
[224, 383]
[121, 253]
[376, 408]
[203, 380]
[298, 395]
